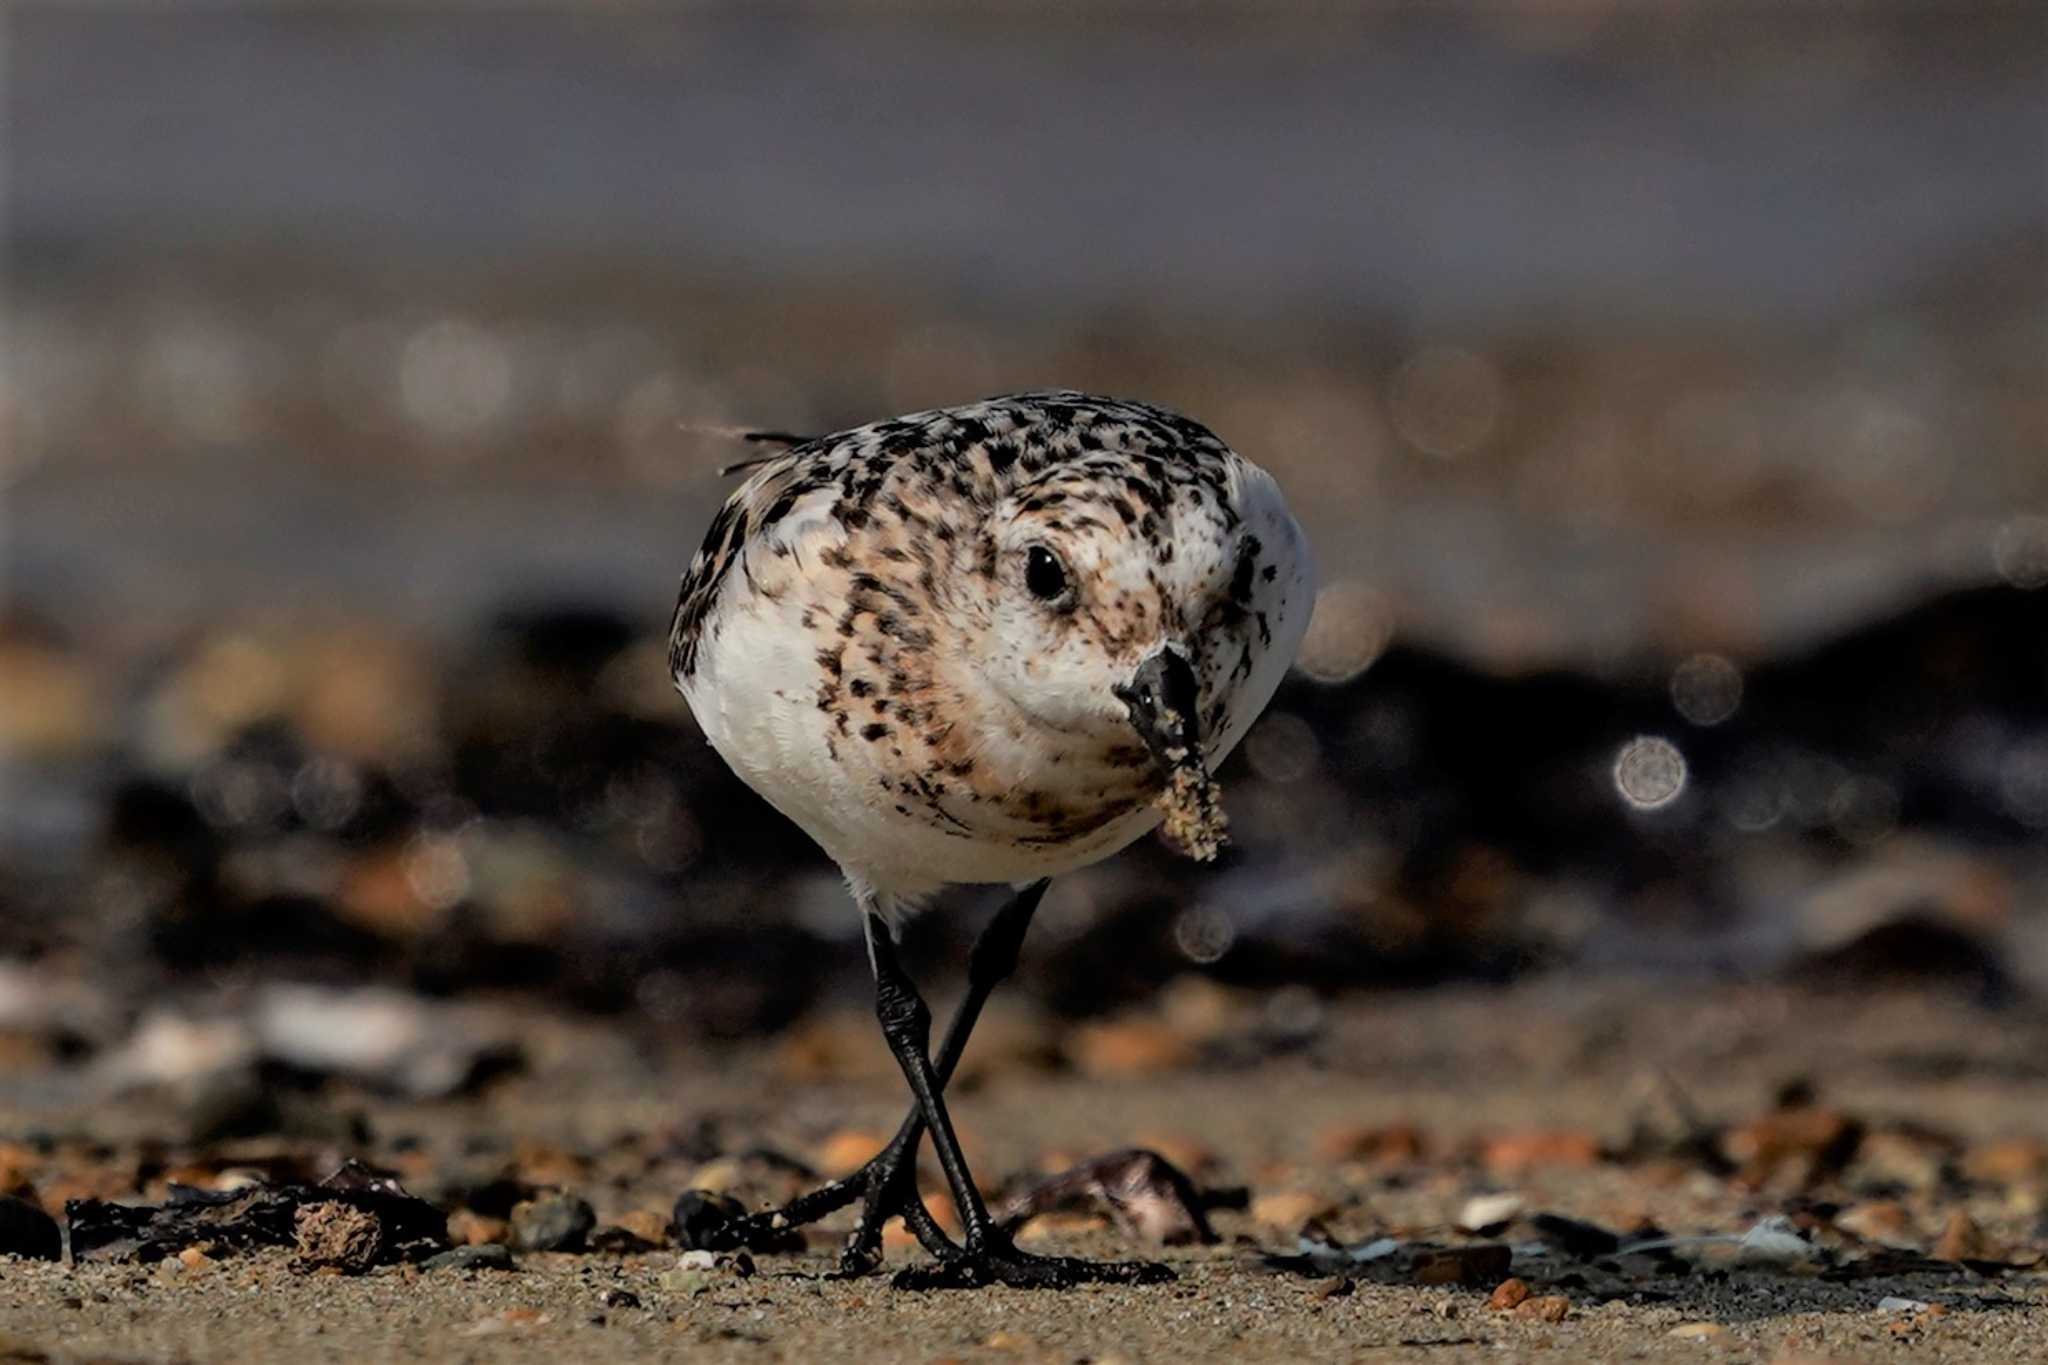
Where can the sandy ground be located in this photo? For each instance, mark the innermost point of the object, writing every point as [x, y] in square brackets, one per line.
[1217, 1309]
[1481, 1077]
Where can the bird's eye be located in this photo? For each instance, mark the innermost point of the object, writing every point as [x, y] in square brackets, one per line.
[1044, 575]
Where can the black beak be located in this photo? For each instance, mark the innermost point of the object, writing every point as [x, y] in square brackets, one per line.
[1165, 710]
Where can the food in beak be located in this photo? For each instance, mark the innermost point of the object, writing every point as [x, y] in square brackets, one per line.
[1162, 698]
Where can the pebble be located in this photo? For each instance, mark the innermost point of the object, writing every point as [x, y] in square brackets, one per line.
[1507, 1294]
[649, 1225]
[552, 1222]
[613, 1240]
[1546, 1308]
[1289, 1209]
[1479, 1265]
[1129, 1047]
[1488, 1211]
[619, 1298]
[1517, 1152]
[704, 1219]
[25, 1230]
[2016, 1161]
[336, 1235]
[468, 1228]
[846, 1151]
[489, 1256]
[1883, 1221]
[1393, 1144]
[1806, 1138]
[1962, 1240]
[1697, 1331]
[687, 1282]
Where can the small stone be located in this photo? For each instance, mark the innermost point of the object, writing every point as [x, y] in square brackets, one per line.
[552, 1222]
[1483, 1264]
[1697, 1331]
[26, 1230]
[467, 1228]
[697, 1259]
[1962, 1240]
[1883, 1221]
[1909, 1158]
[1892, 1303]
[1507, 1294]
[1488, 1212]
[1808, 1139]
[1445, 1309]
[613, 1240]
[649, 1225]
[1394, 1144]
[619, 1298]
[1288, 1209]
[1517, 1152]
[1336, 1287]
[1128, 1047]
[2017, 1161]
[847, 1150]
[686, 1282]
[338, 1236]
[195, 1259]
[489, 1256]
[705, 1219]
[1546, 1308]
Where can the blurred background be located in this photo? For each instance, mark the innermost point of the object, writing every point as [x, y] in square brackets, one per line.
[1662, 386]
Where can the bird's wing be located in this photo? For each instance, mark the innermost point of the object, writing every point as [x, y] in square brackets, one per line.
[770, 491]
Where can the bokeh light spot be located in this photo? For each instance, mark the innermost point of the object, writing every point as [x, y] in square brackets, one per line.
[1649, 772]
[1282, 748]
[1445, 401]
[454, 379]
[1706, 689]
[1203, 934]
[2020, 550]
[1351, 627]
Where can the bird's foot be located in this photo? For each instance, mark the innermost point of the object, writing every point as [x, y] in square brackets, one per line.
[883, 1188]
[713, 1222]
[1003, 1264]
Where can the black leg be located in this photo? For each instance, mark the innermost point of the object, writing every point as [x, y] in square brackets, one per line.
[893, 1190]
[907, 1025]
[887, 1185]
[987, 1255]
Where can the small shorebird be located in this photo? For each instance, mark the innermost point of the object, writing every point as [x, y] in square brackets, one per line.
[985, 644]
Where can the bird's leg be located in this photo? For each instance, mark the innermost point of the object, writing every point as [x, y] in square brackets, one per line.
[891, 1176]
[886, 1185]
[986, 1255]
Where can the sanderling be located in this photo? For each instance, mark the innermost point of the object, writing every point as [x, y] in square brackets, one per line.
[985, 644]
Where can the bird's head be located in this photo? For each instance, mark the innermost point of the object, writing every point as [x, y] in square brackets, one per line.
[1142, 616]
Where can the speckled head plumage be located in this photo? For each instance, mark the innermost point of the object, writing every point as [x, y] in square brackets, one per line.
[917, 638]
